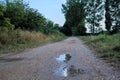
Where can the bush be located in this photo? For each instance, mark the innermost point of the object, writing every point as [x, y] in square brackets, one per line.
[7, 24]
[19, 36]
[31, 36]
[15, 40]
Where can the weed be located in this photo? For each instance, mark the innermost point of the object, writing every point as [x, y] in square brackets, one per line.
[107, 45]
[16, 40]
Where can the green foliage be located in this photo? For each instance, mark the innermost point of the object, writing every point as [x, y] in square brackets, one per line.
[15, 10]
[3, 36]
[107, 45]
[1, 10]
[75, 14]
[33, 20]
[108, 22]
[112, 16]
[49, 27]
[66, 29]
[16, 15]
[15, 40]
[1, 14]
[56, 36]
[23, 17]
[80, 29]
[94, 10]
[7, 24]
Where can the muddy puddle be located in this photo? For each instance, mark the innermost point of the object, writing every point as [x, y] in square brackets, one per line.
[65, 69]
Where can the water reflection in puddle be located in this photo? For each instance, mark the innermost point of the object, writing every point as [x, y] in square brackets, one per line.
[62, 71]
[64, 58]
[61, 58]
[66, 70]
[70, 71]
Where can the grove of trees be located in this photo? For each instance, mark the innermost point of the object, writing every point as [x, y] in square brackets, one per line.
[94, 14]
[75, 16]
[112, 15]
[80, 12]
[17, 14]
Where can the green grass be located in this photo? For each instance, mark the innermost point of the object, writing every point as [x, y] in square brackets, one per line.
[56, 39]
[15, 47]
[107, 46]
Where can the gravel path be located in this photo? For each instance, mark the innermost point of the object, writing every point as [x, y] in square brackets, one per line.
[43, 63]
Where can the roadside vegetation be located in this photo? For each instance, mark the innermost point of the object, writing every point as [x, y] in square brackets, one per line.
[17, 40]
[107, 46]
[22, 27]
[86, 16]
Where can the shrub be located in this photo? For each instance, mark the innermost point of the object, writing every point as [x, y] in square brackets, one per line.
[6, 23]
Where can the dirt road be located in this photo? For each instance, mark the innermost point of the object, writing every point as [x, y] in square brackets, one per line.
[66, 60]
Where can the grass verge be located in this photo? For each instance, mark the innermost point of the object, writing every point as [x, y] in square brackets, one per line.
[18, 40]
[107, 46]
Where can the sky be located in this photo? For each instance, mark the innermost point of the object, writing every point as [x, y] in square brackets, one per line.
[51, 9]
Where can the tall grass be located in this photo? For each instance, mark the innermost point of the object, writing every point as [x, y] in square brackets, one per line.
[108, 46]
[19, 36]
[56, 36]
[32, 36]
[15, 40]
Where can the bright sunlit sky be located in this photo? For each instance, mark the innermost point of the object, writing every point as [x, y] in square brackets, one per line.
[51, 9]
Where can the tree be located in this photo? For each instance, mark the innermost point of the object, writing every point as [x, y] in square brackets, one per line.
[1, 10]
[56, 26]
[112, 15]
[66, 29]
[15, 10]
[108, 22]
[94, 11]
[48, 28]
[24, 17]
[18, 14]
[33, 20]
[75, 15]
[6, 23]
[115, 13]
[1, 14]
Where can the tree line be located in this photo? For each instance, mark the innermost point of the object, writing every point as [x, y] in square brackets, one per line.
[112, 15]
[78, 13]
[17, 14]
